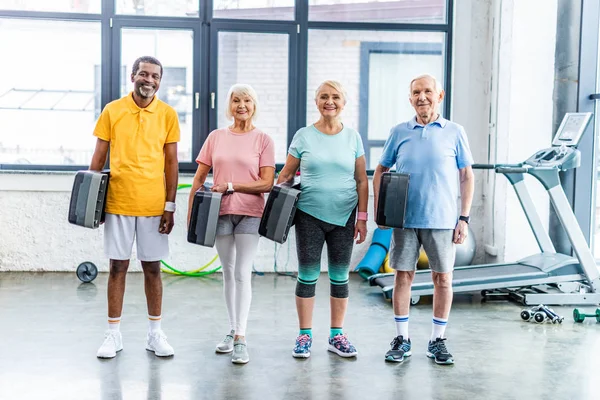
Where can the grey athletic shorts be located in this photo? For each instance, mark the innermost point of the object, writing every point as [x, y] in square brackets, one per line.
[230, 224]
[437, 243]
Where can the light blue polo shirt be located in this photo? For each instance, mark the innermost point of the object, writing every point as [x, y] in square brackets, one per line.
[327, 172]
[432, 155]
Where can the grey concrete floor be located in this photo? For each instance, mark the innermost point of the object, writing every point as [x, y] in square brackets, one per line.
[51, 326]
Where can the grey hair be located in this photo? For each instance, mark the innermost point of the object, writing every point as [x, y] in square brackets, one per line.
[334, 84]
[436, 83]
[242, 89]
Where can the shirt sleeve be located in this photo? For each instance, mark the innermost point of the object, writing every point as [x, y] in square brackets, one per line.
[464, 158]
[267, 154]
[390, 151]
[205, 156]
[173, 131]
[296, 147]
[103, 126]
[360, 149]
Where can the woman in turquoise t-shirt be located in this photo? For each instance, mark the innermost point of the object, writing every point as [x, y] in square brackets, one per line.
[334, 181]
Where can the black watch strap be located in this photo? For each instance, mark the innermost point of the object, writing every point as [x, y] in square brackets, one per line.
[467, 219]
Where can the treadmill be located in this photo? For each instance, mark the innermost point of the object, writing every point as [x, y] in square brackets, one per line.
[547, 277]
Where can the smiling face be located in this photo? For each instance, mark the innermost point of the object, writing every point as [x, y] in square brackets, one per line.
[146, 80]
[330, 102]
[241, 107]
[425, 99]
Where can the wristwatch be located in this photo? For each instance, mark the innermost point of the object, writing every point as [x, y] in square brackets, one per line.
[467, 219]
[229, 188]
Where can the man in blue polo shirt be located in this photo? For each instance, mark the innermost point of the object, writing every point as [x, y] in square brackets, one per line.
[435, 152]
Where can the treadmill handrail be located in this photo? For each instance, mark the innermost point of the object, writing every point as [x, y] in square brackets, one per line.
[494, 166]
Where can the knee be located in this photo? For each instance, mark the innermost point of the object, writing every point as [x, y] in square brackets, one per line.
[304, 290]
[307, 280]
[442, 280]
[151, 269]
[404, 278]
[339, 291]
[118, 267]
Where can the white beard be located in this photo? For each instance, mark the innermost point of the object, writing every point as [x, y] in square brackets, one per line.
[146, 92]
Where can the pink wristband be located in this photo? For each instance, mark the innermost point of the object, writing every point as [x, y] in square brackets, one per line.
[362, 216]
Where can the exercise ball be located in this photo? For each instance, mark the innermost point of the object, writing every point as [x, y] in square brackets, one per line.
[423, 261]
[386, 265]
[465, 252]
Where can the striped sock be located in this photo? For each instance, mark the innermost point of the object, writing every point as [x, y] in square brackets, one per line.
[307, 331]
[401, 325]
[335, 331]
[153, 323]
[114, 324]
[438, 328]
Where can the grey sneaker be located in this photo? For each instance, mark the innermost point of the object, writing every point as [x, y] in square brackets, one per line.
[226, 345]
[240, 353]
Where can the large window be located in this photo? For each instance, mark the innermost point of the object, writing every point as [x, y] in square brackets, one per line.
[413, 11]
[70, 58]
[254, 9]
[162, 8]
[80, 6]
[47, 96]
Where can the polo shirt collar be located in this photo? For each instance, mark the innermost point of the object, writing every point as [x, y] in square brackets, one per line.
[134, 108]
[441, 122]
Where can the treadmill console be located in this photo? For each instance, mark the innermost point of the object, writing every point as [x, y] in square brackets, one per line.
[571, 128]
[563, 154]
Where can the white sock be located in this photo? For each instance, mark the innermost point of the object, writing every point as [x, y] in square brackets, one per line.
[438, 328]
[154, 323]
[114, 324]
[401, 325]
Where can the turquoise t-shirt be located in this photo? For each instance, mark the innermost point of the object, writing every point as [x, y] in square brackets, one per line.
[327, 172]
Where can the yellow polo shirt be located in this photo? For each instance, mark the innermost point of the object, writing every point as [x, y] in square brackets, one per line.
[137, 139]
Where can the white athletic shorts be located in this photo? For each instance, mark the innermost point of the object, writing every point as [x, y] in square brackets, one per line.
[120, 230]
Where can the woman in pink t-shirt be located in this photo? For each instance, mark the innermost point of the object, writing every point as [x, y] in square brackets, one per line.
[242, 158]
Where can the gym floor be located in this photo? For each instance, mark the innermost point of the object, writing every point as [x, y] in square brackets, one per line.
[52, 326]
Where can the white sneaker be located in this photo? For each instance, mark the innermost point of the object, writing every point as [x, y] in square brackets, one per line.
[112, 344]
[157, 342]
[226, 345]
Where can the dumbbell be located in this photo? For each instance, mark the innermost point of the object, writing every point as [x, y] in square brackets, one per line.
[579, 316]
[540, 313]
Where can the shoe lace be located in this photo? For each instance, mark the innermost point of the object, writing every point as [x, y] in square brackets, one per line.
[239, 347]
[228, 339]
[396, 342]
[342, 339]
[160, 337]
[441, 345]
[303, 340]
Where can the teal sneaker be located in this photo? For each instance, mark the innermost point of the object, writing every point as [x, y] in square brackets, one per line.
[439, 353]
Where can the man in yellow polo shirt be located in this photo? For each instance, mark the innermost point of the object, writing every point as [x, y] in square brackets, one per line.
[142, 133]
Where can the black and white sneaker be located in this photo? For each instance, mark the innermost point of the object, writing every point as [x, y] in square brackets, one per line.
[400, 349]
[438, 351]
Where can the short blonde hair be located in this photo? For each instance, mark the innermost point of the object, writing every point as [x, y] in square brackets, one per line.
[334, 84]
[241, 89]
[436, 83]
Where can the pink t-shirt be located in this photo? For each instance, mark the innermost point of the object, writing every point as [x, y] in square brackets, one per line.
[237, 158]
